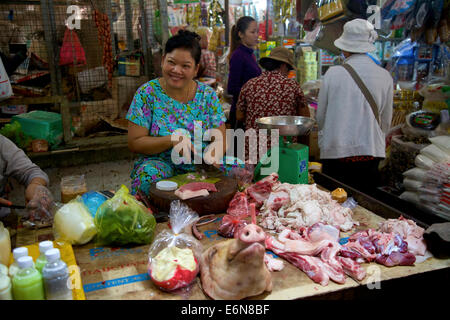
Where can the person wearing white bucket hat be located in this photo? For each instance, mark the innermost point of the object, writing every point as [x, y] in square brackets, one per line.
[354, 110]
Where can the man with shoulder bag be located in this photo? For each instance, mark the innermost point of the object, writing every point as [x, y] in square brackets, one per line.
[355, 110]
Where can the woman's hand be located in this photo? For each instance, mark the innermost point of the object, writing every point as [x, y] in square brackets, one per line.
[140, 142]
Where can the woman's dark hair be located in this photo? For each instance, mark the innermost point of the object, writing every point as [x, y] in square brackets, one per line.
[185, 40]
[271, 64]
[240, 26]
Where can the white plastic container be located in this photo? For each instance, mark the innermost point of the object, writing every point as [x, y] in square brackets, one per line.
[41, 261]
[5, 245]
[56, 277]
[5, 287]
[17, 253]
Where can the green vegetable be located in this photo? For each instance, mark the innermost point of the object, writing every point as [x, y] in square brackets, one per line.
[124, 220]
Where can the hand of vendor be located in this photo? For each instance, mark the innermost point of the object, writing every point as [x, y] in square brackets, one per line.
[39, 200]
[5, 202]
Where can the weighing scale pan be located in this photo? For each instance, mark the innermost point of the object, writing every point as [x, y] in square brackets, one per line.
[288, 125]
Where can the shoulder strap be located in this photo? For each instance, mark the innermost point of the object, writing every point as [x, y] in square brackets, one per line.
[364, 90]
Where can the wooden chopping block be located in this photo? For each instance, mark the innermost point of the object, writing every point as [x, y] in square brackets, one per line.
[214, 203]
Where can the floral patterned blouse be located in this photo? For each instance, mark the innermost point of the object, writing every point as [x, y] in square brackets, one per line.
[153, 109]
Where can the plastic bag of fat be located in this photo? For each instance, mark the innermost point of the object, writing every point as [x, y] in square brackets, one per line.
[73, 223]
[175, 255]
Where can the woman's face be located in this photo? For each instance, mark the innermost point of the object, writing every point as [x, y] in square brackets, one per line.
[179, 68]
[250, 37]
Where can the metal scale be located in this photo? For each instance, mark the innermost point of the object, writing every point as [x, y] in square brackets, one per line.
[293, 157]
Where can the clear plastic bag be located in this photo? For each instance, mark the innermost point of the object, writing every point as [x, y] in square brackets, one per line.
[410, 196]
[423, 162]
[350, 203]
[412, 185]
[442, 142]
[124, 220]
[73, 223]
[435, 153]
[416, 174]
[230, 225]
[174, 256]
[244, 176]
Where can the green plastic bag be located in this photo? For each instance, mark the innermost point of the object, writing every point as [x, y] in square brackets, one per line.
[124, 220]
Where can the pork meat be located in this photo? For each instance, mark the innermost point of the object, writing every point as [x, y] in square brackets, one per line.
[235, 269]
[409, 231]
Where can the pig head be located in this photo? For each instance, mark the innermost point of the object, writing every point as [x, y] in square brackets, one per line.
[235, 269]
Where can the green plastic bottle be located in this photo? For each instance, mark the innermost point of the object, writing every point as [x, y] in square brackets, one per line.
[41, 261]
[27, 284]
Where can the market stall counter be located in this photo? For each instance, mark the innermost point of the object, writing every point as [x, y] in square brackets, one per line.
[122, 273]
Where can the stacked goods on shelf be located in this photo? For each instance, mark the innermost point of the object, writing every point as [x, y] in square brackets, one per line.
[405, 102]
[307, 66]
[427, 185]
[265, 48]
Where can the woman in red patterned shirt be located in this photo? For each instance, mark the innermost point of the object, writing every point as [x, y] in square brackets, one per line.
[272, 93]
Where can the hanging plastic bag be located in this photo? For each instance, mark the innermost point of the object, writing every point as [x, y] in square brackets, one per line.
[73, 223]
[174, 256]
[311, 18]
[72, 53]
[124, 220]
[5, 85]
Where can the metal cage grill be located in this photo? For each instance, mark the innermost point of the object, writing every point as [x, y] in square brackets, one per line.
[92, 53]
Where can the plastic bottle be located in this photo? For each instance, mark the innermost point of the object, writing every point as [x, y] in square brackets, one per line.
[27, 284]
[17, 253]
[56, 276]
[5, 245]
[41, 261]
[5, 287]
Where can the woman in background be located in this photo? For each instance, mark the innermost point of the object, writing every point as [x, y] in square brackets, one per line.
[243, 64]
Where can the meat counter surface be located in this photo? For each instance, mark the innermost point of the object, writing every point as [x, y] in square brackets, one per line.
[121, 273]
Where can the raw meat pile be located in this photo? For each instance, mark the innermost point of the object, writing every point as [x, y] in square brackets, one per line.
[195, 189]
[296, 206]
[238, 209]
[315, 252]
[388, 249]
[409, 231]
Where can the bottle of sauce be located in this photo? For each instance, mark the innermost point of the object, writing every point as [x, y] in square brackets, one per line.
[17, 253]
[27, 284]
[5, 287]
[5, 245]
[56, 276]
[41, 261]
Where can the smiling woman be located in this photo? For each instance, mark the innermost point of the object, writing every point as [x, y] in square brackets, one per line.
[162, 106]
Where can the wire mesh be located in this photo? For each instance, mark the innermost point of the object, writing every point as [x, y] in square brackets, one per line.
[88, 51]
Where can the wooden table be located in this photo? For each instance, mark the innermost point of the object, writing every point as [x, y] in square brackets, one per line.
[121, 273]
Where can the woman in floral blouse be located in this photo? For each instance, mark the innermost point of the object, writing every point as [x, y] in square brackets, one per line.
[163, 105]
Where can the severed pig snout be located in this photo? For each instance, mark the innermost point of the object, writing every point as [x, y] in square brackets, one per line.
[252, 233]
